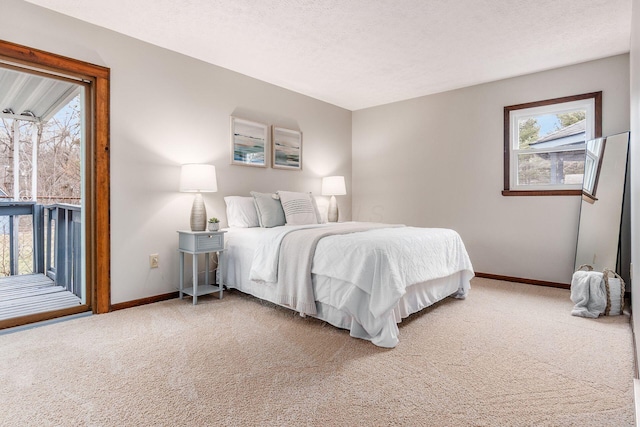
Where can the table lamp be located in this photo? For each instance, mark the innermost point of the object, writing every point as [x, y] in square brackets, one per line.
[333, 186]
[195, 178]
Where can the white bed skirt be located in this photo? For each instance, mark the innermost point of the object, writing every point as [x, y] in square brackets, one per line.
[332, 293]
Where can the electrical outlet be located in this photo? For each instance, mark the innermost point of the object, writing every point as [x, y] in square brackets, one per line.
[153, 260]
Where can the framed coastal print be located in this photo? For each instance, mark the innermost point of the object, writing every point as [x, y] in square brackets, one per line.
[249, 143]
[286, 148]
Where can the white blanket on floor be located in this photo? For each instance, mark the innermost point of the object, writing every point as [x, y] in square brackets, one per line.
[588, 294]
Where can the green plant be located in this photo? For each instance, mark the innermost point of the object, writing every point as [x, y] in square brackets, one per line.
[214, 220]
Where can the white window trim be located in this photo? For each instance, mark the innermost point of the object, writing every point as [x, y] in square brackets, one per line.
[516, 115]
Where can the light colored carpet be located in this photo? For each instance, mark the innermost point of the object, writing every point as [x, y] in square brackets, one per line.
[509, 355]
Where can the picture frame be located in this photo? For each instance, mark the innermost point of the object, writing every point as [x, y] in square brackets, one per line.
[249, 143]
[286, 148]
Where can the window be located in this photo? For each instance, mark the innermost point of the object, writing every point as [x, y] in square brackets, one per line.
[544, 144]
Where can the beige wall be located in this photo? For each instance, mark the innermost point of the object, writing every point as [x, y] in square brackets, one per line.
[437, 161]
[168, 109]
[635, 170]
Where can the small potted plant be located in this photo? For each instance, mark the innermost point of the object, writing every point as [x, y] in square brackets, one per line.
[214, 224]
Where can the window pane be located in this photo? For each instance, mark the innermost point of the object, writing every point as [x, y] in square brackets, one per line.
[544, 131]
[563, 167]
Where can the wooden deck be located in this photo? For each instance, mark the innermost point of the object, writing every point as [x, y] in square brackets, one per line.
[32, 293]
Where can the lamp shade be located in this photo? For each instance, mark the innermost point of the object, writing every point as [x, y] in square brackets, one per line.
[333, 186]
[198, 178]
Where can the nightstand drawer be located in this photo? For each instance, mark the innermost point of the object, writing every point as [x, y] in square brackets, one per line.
[212, 242]
[201, 241]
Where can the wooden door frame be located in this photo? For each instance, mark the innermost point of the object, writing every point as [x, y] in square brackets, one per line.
[97, 182]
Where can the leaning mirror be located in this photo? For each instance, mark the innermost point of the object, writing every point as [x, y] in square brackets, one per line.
[602, 202]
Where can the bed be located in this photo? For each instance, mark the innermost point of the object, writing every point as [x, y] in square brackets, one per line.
[363, 277]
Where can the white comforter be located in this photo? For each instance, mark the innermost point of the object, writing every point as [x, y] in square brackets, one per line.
[384, 262]
[380, 262]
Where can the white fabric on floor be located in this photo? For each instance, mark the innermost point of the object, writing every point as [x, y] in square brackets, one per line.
[588, 294]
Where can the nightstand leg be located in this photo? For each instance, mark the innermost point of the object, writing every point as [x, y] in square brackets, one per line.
[206, 269]
[181, 273]
[195, 279]
[221, 272]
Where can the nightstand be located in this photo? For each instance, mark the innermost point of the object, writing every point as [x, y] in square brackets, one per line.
[196, 243]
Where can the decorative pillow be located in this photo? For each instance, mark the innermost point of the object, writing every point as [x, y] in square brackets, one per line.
[241, 212]
[298, 208]
[269, 209]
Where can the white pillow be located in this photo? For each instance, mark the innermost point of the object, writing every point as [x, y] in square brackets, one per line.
[241, 212]
[299, 208]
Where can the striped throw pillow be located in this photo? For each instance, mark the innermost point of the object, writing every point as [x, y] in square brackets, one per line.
[298, 208]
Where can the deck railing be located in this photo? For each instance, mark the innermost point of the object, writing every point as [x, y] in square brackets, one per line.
[54, 238]
[64, 246]
[24, 240]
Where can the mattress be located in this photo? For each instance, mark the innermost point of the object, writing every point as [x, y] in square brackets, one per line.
[340, 302]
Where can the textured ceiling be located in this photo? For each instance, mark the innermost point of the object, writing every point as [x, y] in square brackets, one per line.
[362, 53]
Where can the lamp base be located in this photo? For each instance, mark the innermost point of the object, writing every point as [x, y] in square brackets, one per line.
[333, 210]
[198, 214]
